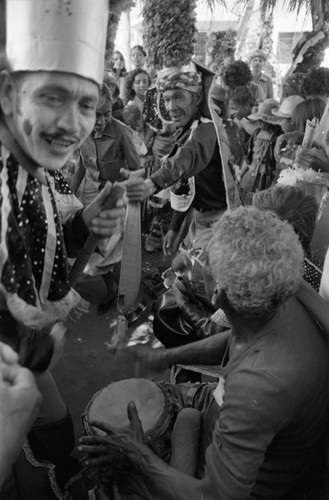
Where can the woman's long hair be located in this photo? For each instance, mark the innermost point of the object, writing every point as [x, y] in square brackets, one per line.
[130, 93]
[313, 107]
[122, 71]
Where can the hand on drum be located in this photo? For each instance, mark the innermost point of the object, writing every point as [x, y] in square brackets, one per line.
[106, 450]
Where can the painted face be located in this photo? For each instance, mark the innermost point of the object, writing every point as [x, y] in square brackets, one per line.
[103, 116]
[257, 64]
[137, 58]
[50, 114]
[239, 111]
[181, 105]
[140, 85]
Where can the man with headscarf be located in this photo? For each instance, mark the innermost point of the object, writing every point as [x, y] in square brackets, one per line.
[193, 168]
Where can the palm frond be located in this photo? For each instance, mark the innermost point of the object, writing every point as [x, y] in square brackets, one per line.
[211, 4]
[269, 5]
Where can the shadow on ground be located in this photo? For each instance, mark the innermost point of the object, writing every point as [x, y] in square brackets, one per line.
[87, 365]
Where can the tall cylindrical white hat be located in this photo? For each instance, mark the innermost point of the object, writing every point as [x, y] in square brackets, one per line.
[57, 35]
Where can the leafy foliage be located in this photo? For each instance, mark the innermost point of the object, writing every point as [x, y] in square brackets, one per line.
[221, 46]
[212, 3]
[116, 8]
[169, 31]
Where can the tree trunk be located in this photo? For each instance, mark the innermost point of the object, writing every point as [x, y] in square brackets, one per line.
[243, 28]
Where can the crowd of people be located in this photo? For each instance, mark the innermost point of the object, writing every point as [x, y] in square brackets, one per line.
[231, 189]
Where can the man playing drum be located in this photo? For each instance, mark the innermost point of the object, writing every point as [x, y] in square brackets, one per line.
[265, 423]
[49, 91]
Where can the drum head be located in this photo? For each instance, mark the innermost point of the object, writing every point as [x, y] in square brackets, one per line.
[109, 405]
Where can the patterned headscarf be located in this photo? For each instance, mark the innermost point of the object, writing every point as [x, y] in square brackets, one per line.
[180, 78]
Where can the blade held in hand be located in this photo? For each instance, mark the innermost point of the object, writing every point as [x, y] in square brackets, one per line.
[92, 241]
[131, 265]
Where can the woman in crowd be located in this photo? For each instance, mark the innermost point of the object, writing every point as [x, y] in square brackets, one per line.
[118, 70]
[137, 83]
[137, 57]
[310, 108]
[118, 64]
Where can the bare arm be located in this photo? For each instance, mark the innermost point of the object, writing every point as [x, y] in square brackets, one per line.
[209, 351]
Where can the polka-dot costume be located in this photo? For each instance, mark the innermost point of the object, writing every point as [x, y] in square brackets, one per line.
[33, 262]
[312, 273]
[154, 110]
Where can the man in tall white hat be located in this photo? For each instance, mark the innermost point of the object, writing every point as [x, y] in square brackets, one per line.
[48, 96]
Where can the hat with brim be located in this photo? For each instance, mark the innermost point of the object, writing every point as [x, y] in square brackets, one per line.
[288, 106]
[264, 112]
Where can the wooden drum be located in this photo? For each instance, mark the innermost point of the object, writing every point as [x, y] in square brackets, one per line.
[157, 414]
